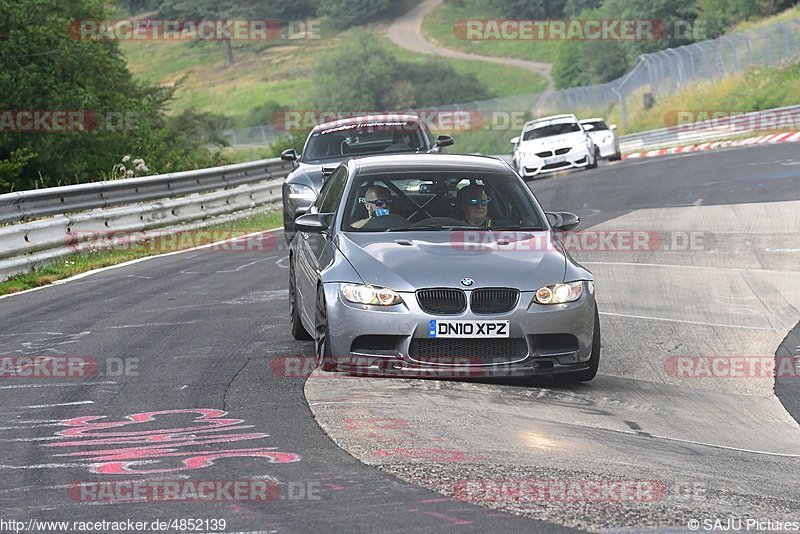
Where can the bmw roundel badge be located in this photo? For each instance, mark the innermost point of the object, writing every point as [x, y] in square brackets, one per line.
[467, 282]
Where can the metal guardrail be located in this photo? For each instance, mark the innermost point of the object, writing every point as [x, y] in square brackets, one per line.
[58, 221]
[709, 130]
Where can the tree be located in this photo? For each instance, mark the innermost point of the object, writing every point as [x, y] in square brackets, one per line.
[279, 11]
[672, 14]
[720, 15]
[529, 9]
[362, 75]
[347, 13]
[138, 6]
[569, 69]
[573, 8]
[47, 69]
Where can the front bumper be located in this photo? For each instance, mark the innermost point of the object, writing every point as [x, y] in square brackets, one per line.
[365, 340]
[533, 165]
[607, 149]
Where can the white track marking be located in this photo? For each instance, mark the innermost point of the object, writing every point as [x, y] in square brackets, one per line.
[41, 466]
[127, 263]
[678, 266]
[150, 325]
[692, 322]
[37, 406]
[23, 386]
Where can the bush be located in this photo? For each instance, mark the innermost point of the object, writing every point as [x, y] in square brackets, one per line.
[361, 74]
[46, 69]
[347, 13]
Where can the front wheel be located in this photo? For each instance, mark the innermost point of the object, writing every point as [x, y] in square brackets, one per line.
[586, 375]
[321, 333]
[593, 162]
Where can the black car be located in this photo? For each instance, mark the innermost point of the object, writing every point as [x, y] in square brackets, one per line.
[331, 143]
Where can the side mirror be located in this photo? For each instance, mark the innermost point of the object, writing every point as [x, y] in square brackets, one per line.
[563, 221]
[612, 127]
[515, 140]
[289, 155]
[313, 223]
[327, 171]
[588, 127]
[444, 140]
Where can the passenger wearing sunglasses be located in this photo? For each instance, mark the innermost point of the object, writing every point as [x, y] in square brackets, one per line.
[473, 203]
[378, 201]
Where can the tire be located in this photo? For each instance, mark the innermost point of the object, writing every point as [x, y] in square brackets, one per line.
[616, 156]
[299, 332]
[586, 375]
[593, 164]
[321, 333]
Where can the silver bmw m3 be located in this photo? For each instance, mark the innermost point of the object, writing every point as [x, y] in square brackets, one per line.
[441, 266]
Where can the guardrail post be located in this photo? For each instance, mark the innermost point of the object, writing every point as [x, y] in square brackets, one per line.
[623, 117]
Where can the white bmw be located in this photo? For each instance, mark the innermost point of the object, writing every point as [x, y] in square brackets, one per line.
[553, 143]
[604, 137]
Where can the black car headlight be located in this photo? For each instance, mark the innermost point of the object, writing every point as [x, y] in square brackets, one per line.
[301, 192]
[559, 293]
[366, 294]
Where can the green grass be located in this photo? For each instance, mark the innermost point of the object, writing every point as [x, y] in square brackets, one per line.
[438, 27]
[275, 73]
[753, 90]
[790, 13]
[83, 262]
[500, 80]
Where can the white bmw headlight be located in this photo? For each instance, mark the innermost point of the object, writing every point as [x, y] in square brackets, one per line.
[365, 294]
[559, 293]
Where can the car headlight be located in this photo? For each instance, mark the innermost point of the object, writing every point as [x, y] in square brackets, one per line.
[559, 293]
[301, 192]
[365, 294]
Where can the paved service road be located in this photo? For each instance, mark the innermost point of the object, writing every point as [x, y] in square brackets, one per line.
[406, 32]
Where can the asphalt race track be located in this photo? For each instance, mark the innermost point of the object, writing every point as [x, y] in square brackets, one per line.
[197, 378]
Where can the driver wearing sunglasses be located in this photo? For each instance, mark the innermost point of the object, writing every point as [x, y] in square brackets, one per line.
[378, 201]
[473, 203]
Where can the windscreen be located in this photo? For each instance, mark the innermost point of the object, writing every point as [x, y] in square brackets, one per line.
[440, 201]
[360, 139]
[551, 130]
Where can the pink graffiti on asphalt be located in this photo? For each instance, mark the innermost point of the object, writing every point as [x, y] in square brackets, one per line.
[140, 445]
